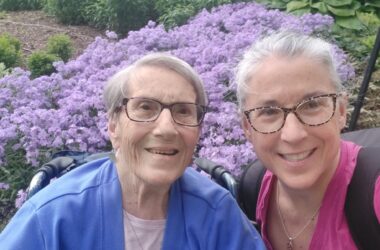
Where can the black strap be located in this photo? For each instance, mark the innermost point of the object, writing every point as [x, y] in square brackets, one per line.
[360, 213]
[250, 183]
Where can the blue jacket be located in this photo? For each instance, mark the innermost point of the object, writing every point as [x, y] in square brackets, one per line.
[83, 210]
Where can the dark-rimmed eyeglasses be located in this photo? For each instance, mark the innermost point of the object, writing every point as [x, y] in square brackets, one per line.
[140, 109]
[313, 111]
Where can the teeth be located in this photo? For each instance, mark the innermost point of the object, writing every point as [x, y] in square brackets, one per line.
[297, 157]
[163, 152]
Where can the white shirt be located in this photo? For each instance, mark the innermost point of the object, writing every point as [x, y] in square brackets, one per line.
[140, 234]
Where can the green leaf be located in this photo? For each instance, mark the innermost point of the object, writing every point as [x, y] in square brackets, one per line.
[341, 12]
[349, 23]
[295, 5]
[374, 3]
[264, 2]
[368, 19]
[368, 41]
[355, 5]
[338, 3]
[321, 7]
[301, 12]
[278, 4]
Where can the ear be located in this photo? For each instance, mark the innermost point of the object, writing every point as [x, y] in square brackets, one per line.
[113, 132]
[342, 103]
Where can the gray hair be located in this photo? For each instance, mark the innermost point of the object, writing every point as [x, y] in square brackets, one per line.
[288, 44]
[116, 87]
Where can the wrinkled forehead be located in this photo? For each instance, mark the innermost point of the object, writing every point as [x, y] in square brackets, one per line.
[160, 83]
[284, 81]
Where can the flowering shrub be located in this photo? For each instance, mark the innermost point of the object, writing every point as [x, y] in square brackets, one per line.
[65, 110]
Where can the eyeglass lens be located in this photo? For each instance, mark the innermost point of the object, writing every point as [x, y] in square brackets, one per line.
[313, 112]
[145, 110]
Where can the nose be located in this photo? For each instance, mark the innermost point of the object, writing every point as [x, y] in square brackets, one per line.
[165, 125]
[293, 130]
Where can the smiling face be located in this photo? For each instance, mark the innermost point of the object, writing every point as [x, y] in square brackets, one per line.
[157, 152]
[300, 156]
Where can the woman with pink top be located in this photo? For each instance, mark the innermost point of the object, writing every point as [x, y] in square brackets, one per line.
[293, 108]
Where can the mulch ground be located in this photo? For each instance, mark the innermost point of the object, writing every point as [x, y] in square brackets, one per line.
[33, 28]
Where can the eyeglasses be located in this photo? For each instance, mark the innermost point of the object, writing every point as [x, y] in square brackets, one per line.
[313, 111]
[140, 109]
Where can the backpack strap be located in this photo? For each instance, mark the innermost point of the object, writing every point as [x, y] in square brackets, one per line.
[249, 187]
[360, 213]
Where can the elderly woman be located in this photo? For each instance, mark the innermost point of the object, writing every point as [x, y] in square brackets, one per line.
[146, 197]
[293, 107]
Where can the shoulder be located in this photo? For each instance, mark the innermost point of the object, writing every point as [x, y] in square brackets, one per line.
[84, 179]
[196, 186]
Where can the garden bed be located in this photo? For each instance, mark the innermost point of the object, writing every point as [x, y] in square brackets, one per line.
[33, 28]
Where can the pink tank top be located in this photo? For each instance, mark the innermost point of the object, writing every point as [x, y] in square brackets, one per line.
[332, 230]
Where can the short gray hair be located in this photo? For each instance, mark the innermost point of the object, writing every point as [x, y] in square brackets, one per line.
[116, 87]
[288, 44]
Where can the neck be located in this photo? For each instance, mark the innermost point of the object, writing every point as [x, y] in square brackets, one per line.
[145, 203]
[295, 200]
[141, 199]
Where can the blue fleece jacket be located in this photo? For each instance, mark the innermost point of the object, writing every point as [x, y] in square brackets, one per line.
[83, 210]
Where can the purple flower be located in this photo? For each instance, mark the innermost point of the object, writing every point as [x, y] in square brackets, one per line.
[65, 110]
[21, 198]
[4, 186]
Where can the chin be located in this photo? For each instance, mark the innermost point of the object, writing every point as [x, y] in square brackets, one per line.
[299, 182]
[161, 179]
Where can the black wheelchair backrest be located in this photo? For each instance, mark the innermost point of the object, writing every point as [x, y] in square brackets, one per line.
[65, 161]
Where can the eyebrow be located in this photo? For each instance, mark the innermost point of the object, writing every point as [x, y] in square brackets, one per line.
[275, 103]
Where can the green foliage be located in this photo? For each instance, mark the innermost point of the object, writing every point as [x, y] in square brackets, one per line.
[67, 11]
[176, 12]
[17, 173]
[99, 14]
[41, 63]
[3, 70]
[130, 14]
[345, 12]
[177, 15]
[359, 43]
[21, 4]
[61, 46]
[10, 54]
[119, 15]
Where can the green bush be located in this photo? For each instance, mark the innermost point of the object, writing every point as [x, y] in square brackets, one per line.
[176, 12]
[346, 12]
[61, 46]
[130, 14]
[41, 63]
[177, 15]
[67, 11]
[3, 70]
[21, 4]
[120, 16]
[10, 54]
[99, 14]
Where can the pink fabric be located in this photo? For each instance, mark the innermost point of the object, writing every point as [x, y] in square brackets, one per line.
[376, 198]
[332, 230]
